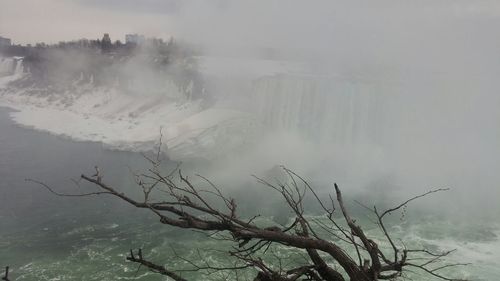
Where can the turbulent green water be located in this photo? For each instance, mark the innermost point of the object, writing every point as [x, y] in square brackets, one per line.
[96, 250]
[43, 237]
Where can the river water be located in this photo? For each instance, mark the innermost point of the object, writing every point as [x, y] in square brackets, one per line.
[45, 237]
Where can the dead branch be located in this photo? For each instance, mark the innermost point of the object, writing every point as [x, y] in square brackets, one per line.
[138, 258]
[6, 274]
[187, 206]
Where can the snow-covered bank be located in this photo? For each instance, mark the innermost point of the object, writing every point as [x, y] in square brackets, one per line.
[126, 121]
[131, 120]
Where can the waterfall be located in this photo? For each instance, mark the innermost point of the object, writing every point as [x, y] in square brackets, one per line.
[325, 108]
[7, 66]
[18, 68]
[11, 66]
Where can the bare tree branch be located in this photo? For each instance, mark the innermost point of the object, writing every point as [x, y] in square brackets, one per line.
[6, 274]
[189, 207]
[138, 258]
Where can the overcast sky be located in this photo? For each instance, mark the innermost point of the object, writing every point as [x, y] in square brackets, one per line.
[381, 28]
[29, 21]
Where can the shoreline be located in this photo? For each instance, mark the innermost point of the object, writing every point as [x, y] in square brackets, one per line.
[135, 125]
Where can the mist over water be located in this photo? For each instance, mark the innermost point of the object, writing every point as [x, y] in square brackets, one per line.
[388, 99]
[399, 94]
[399, 134]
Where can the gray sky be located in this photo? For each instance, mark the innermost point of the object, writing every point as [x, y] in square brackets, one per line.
[271, 22]
[383, 31]
[29, 21]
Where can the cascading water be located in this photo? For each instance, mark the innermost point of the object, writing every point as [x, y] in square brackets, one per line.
[11, 69]
[325, 108]
[7, 66]
[19, 67]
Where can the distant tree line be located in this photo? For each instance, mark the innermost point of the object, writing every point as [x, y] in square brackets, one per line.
[105, 44]
[102, 62]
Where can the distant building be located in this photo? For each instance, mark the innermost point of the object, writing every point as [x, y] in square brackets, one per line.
[106, 42]
[106, 38]
[134, 39]
[4, 42]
